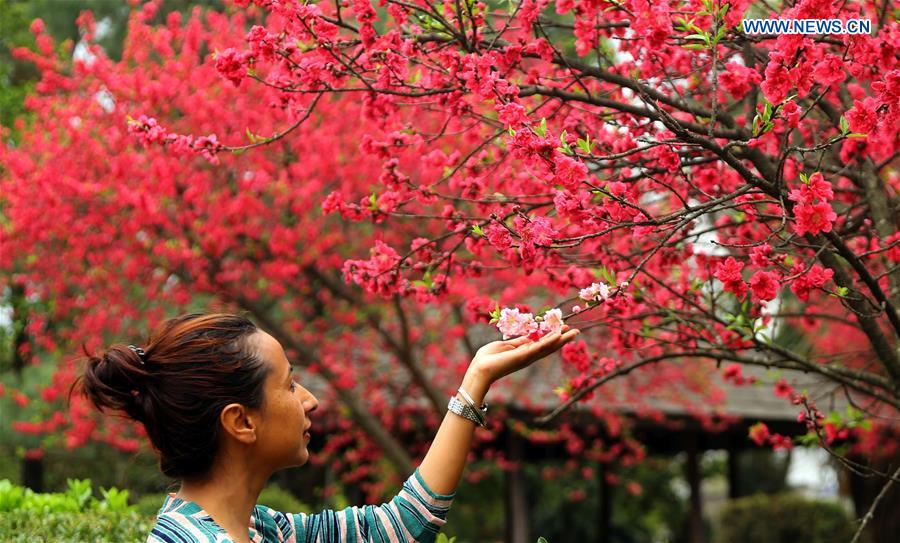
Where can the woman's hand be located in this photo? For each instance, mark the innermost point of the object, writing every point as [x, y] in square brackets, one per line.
[501, 358]
[442, 466]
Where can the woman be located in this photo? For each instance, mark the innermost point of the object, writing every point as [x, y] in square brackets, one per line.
[221, 407]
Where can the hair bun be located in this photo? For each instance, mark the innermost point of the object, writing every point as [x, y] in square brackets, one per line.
[117, 380]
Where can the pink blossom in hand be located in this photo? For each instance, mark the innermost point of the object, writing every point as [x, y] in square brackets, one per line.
[512, 323]
[553, 321]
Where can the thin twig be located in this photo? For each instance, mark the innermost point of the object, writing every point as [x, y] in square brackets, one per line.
[871, 512]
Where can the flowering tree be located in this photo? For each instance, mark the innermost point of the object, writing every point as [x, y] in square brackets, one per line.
[645, 169]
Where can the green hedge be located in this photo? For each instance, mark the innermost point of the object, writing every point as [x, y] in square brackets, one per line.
[75, 515]
[89, 526]
[783, 518]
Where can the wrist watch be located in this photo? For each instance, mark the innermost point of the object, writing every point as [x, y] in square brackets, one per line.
[466, 411]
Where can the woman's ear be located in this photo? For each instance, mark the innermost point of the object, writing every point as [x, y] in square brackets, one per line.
[239, 423]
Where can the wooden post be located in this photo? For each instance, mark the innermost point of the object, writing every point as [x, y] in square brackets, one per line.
[517, 528]
[33, 473]
[734, 485]
[605, 504]
[692, 473]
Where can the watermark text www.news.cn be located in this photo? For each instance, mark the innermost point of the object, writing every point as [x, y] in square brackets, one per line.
[807, 26]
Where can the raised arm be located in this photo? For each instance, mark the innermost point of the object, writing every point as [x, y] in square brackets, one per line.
[443, 464]
[418, 511]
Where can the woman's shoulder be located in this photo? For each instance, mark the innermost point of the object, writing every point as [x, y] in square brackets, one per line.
[273, 525]
[180, 521]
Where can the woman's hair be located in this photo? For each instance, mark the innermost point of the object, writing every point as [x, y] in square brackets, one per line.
[194, 366]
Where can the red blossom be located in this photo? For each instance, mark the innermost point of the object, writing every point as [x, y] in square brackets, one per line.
[862, 117]
[729, 272]
[783, 389]
[813, 218]
[231, 64]
[759, 433]
[764, 285]
[815, 278]
[738, 79]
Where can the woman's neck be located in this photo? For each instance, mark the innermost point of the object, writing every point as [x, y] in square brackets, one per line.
[228, 496]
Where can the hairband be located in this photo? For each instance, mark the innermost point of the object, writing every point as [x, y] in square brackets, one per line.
[140, 352]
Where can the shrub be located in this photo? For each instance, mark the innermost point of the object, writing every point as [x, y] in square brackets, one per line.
[78, 497]
[783, 518]
[149, 504]
[74, 515]
[23, 526]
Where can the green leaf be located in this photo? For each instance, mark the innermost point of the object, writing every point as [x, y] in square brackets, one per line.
[541, 540]
[512, 133]
[476, 229]
[606, 274]
[857, 135]
[694, 46]
[721, 33]
[373, 202]
[585, 144]
[495, 314]
[845, 126]
[804, 178]
[541, 130]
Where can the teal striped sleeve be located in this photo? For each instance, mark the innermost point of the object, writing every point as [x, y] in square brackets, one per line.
[416, 513]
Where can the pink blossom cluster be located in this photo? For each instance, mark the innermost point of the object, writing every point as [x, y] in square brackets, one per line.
[379, 273]
[759, 433]
[596, 292]
[815, 278]
[733, 374]
[513, 322]
[149, 132]
[813, 212]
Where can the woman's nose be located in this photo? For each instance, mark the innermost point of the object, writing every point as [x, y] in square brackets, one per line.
[310, 403]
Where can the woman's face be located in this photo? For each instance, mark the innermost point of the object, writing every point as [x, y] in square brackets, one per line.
[284, 425]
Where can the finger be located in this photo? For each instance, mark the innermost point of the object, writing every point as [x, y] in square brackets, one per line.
[547, 343]
[515, 342]
[567, 337]
[558, 339]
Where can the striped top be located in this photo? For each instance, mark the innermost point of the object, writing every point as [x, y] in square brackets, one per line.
[416, 514]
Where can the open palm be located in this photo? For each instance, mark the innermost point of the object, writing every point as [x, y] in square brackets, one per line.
[498, 359]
